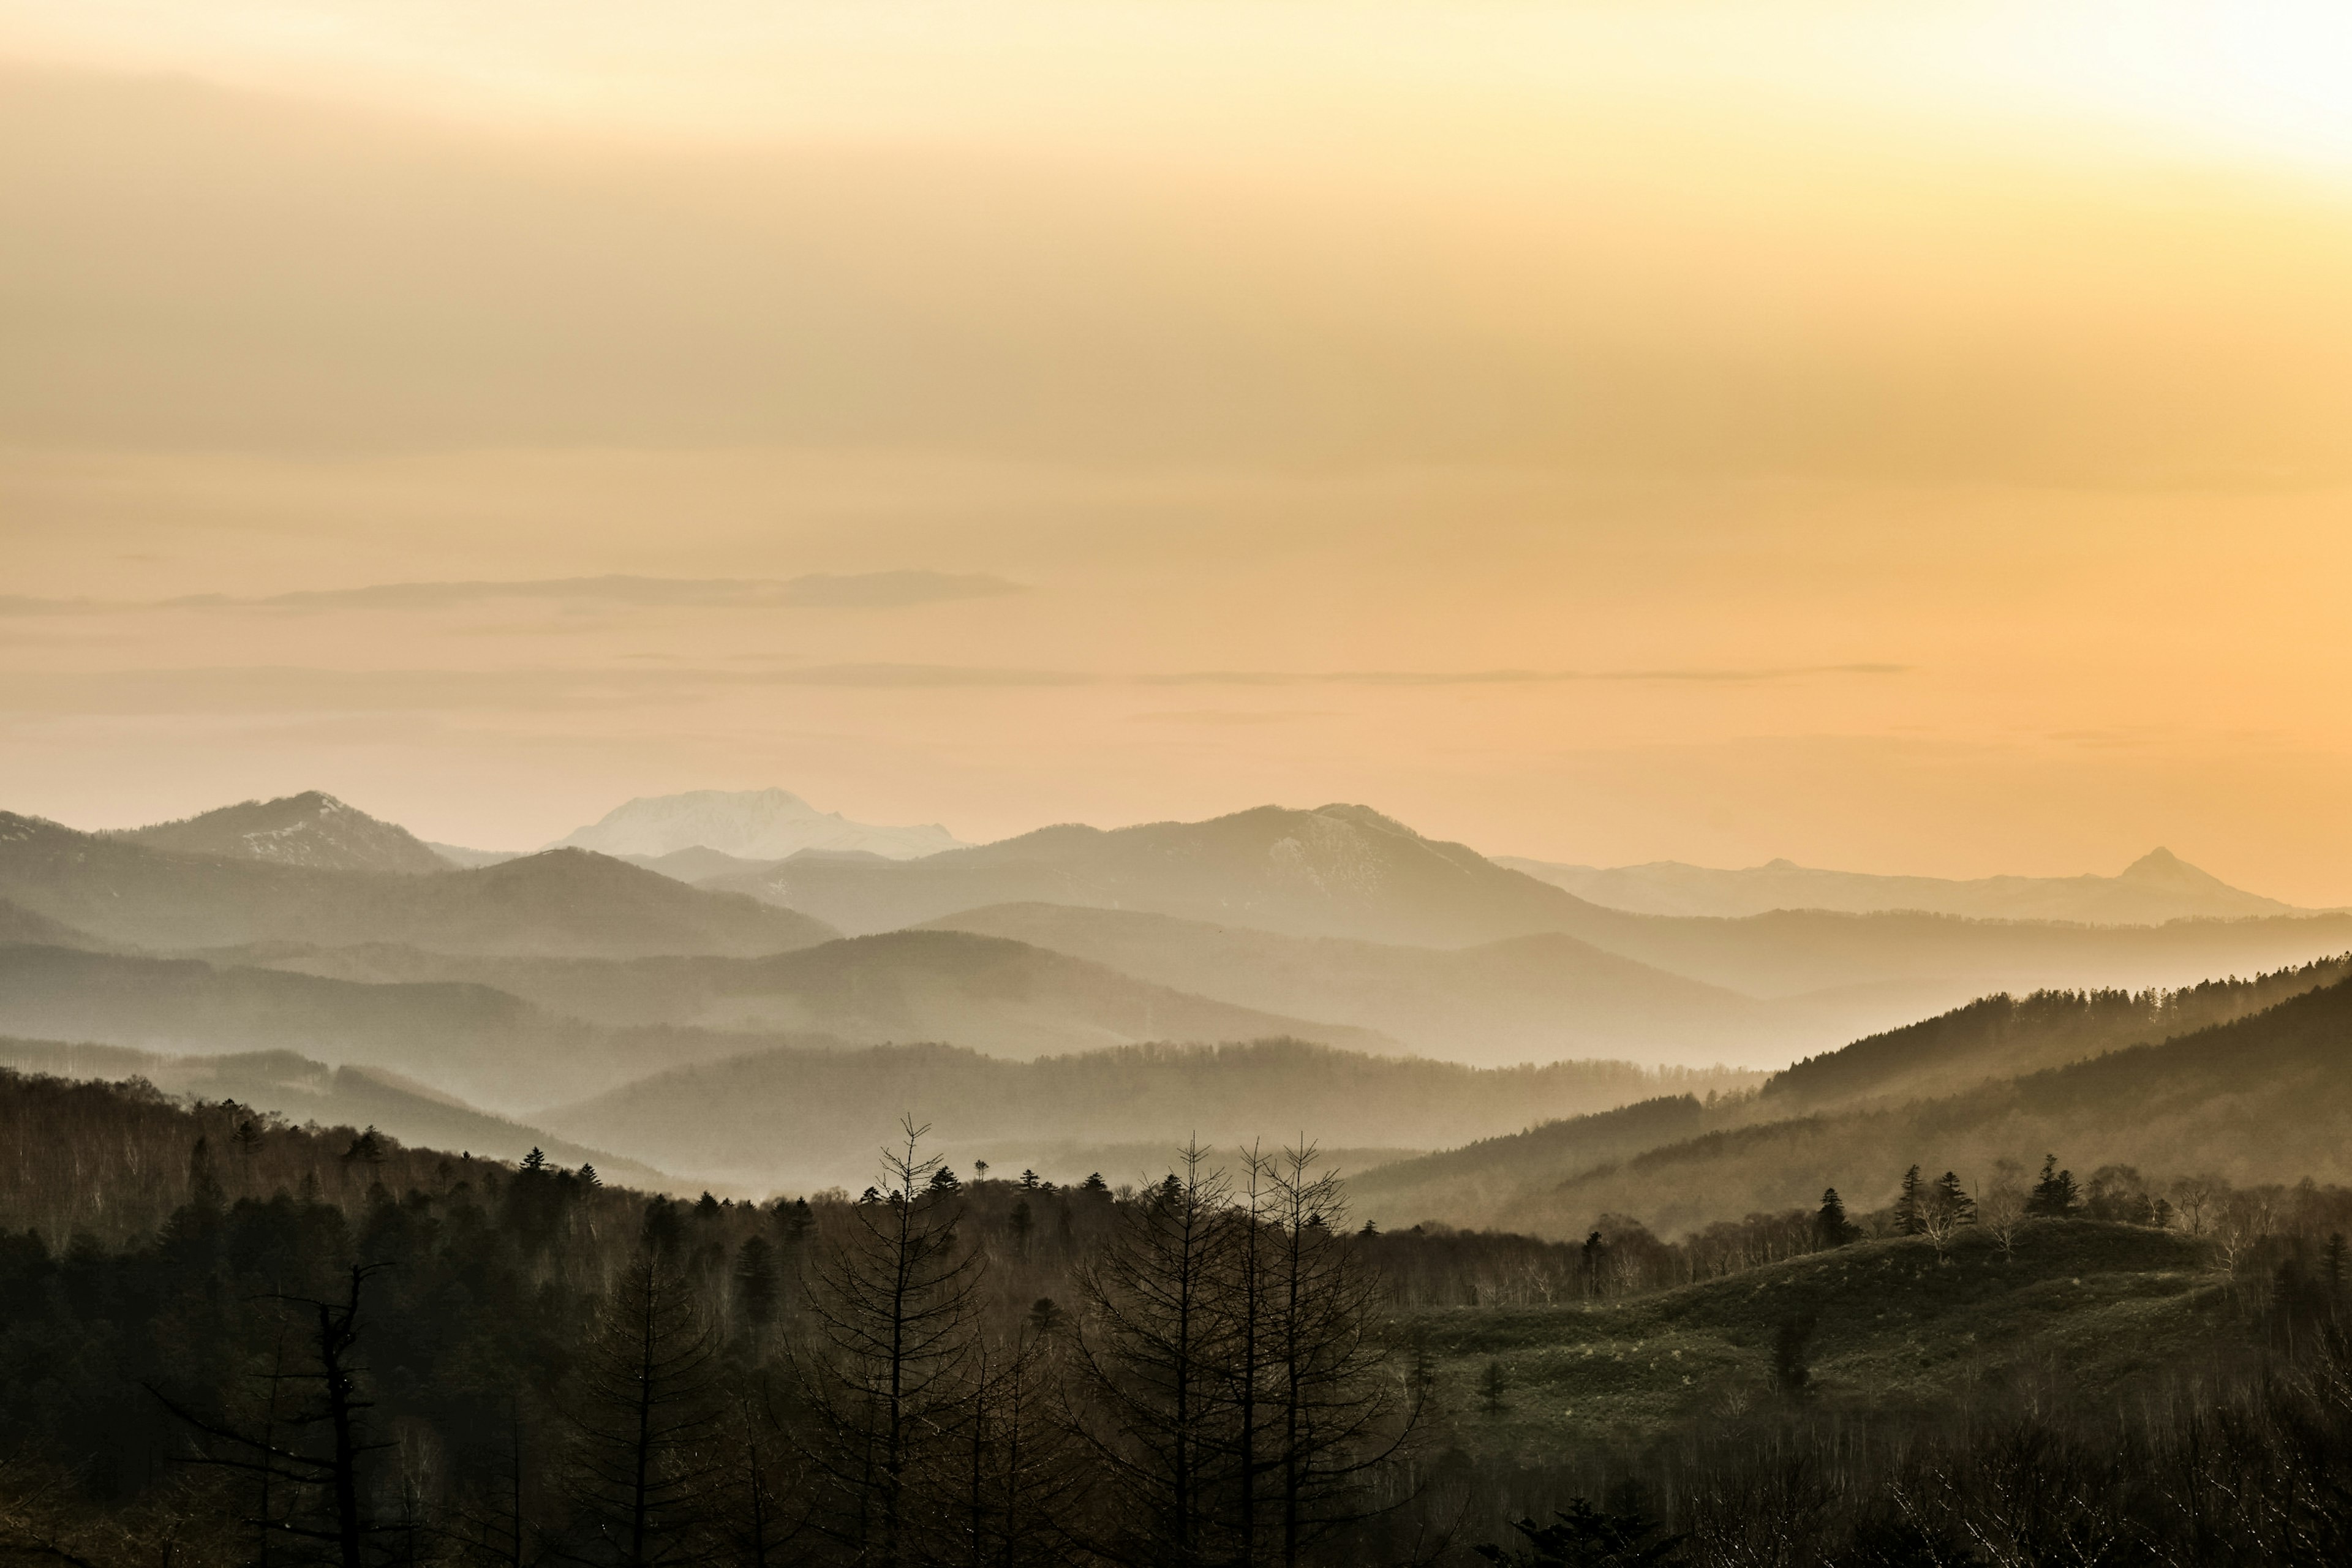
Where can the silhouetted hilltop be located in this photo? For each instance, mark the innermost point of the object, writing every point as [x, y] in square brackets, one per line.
[306, 1091]
[308, 829]
[2001, 1037]
[2263, 1098]
[1686, 1164]
[565, 902]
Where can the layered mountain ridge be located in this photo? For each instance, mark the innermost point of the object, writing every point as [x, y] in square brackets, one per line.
[2157, 887]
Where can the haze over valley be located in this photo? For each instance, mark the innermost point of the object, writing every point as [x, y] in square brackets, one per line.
[764, 1025]
[1294, 784]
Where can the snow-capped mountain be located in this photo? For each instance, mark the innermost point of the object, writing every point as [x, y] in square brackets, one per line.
[308, 829]
[751, 825]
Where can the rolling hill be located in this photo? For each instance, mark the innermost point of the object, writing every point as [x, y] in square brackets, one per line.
[1532, 998]
[2157, 887]
[309, 829]
[303, 1090]
[19, 924]
[1982, 1047]
[808, 1117]
[566, 901]
[2265, 1098]
[1004, 997]
[2092, 1308]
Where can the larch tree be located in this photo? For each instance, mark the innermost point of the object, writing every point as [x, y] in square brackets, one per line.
[1156, 1349]
[644, 1477]
[896, 1308]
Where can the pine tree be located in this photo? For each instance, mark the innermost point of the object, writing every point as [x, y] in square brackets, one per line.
[1951, 1201]
[896, 1308]
[1159, 1356]
[1909, 1215]
[1330, 1409]
[2054, 1196]
[645, 1411]
[1830, 1228]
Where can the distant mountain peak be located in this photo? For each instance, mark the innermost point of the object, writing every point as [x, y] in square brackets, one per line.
[2157, 887]
[2158, 862]
[751, 825]
[312, 829]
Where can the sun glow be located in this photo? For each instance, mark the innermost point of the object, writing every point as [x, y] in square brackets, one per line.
[2265, 78]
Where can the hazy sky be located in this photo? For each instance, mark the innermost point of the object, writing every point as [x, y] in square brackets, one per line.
[1905, 438]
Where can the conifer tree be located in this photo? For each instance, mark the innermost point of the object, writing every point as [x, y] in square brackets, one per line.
[646, 1410]
[1951, 1202]
[1332, 1412]
[1157, 1357]
[895, 1303]
[1830, 1227]
[1909, 1215]
[2054, 1196]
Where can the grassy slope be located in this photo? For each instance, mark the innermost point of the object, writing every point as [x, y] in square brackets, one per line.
[1895, 1328]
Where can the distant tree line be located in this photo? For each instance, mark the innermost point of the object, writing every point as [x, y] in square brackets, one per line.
[224, 1339]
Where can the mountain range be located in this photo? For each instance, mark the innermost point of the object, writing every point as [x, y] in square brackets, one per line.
[748, 824]
[2157, 887]
[121, 890]
[714, 992]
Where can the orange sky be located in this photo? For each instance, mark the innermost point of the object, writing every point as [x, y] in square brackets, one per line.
[1607, 433]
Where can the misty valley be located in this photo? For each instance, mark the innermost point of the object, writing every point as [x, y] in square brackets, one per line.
[733, 1182]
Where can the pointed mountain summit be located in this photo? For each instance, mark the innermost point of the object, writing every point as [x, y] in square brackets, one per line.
[312, 830]
[749, 824]
[2157, 887]
[2160, 867]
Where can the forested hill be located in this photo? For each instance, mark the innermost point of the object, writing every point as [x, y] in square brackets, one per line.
[508, 1349]
[2261, 1100]
[799, 1117]
[1987, 1089]
[2001, 1035]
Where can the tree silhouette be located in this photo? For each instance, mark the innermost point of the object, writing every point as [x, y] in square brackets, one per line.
[645, 1413]
[896, 1305]
[1830, 1228]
